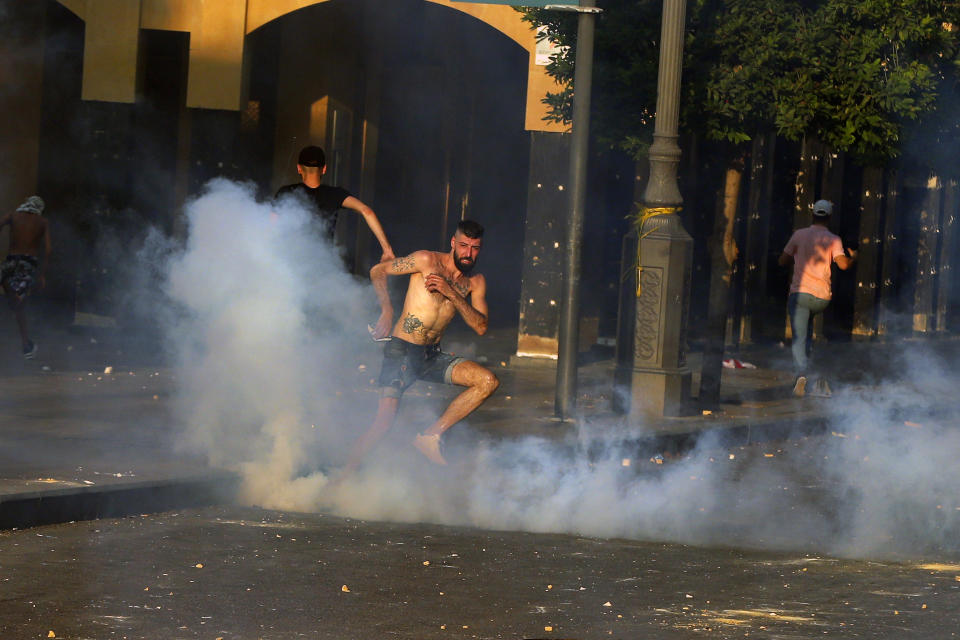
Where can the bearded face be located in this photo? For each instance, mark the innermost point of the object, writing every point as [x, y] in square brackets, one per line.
[464, 263]
[465, 252]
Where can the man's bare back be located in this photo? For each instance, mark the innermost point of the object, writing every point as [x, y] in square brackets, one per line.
[27, 232]
[26, 261]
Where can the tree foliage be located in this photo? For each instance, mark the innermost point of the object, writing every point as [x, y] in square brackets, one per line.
[747, 46]
[626, 52]
[853, 73]
[867, 67]
[931, 140]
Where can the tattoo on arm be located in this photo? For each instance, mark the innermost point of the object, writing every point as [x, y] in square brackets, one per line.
[402, 264]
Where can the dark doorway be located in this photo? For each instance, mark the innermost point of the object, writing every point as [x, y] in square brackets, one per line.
[435, 100]
[161, 99]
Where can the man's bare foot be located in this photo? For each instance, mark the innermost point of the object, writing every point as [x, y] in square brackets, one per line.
[429, 446]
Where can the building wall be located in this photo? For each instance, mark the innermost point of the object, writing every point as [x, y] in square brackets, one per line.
[217, 44]
[21, 78]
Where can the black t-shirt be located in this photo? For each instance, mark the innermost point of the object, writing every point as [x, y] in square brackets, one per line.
[326, 200]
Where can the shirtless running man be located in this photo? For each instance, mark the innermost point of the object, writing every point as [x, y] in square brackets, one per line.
[29, 235]
[440, 284]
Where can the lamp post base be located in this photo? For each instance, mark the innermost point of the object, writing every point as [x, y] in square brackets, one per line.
[655, 392]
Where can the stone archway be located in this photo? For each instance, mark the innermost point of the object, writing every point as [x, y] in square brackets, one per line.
[217, 32]
[219, 37]
[500, 17]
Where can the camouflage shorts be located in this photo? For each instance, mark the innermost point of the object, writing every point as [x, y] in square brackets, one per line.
[17, 273]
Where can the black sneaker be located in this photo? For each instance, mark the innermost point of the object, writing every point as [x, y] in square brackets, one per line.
[800, 387]
[821, 389]
[30, 350]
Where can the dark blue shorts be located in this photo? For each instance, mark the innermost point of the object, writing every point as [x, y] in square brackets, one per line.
[404, 363]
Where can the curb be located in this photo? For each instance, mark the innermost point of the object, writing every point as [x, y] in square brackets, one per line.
[35, 508]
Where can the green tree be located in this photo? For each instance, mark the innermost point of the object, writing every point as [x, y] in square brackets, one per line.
[866, 67]
[850, 73]
[625, 70]
[747, 45]
[930, 141]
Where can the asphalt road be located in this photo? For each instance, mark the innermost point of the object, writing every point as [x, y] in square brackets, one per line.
[247, 573]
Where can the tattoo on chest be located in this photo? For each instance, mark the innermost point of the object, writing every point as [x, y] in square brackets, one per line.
[401, 264]
[412, 324]
[463, 288]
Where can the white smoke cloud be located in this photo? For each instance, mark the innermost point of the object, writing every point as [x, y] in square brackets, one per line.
[877, 489]
[894, 476]
[269, 345]
[873, 485]
[269, 332]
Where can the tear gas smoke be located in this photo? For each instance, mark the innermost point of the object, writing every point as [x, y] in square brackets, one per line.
[271, 342]
[875, 487]
[270, 324]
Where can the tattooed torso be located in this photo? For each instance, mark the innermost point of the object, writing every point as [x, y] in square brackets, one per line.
[426, 315]
[414, 326]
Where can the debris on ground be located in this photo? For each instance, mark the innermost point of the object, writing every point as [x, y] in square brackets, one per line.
[733, 363]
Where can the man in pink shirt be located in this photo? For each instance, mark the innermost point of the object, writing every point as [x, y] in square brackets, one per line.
[813, 251]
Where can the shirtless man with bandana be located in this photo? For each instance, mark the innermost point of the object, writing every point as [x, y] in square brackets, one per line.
[440, 284]
[26, 262]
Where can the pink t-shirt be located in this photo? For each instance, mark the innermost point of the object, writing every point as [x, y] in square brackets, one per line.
[813, 249]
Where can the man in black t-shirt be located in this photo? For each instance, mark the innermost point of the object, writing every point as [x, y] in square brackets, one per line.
[327, 200]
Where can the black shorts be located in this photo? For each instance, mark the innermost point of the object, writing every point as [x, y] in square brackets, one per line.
[404, 363]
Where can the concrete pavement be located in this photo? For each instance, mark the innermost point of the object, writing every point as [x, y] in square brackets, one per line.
[86, 429]
[232, 573]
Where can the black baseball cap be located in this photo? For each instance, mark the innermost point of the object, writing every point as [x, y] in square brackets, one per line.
[312, 157]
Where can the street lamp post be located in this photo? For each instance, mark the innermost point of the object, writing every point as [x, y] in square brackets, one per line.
[566, 388]
[652, 375]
